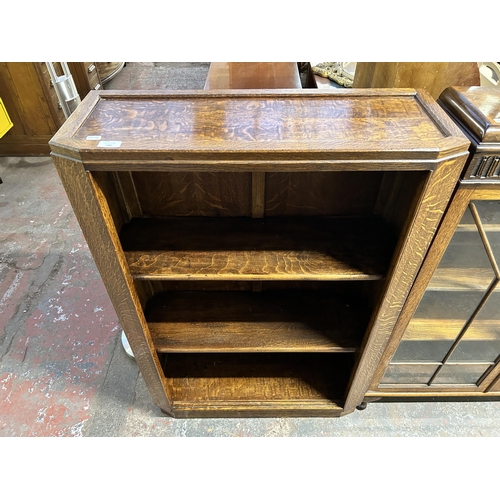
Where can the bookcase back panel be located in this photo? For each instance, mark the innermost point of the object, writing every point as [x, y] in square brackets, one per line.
[321, 193]
[221, 194]
[164, 194]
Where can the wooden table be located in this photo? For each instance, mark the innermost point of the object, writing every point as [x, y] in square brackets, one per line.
[253, 75]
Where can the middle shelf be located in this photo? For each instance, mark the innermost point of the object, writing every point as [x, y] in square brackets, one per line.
[272, 248]
[267, 321]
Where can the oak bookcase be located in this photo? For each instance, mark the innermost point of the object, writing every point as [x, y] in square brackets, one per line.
[258, 246]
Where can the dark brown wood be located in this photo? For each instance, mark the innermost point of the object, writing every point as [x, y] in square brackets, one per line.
[334, 193]
[253, 75]
[128, 194]
[271, 321]
[196, 127]
[258, 194]
[314, 196]
[306, 69]
[292, 248]
[257, 385]
[210, 194]
[477, 109]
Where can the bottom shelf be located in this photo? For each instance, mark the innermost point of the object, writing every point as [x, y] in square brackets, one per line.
[257, 385]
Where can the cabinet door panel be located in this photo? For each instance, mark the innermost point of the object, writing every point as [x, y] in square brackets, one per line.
[456, 327]
[409, 373]
[460, 374]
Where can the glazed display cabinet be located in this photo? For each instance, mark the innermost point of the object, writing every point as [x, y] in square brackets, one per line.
[447, 340]
[258, 246]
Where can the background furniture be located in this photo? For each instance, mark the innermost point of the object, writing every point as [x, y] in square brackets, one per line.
[434, 77]
[267, 294]
[86, 77]
[108, 70]
[32, 104]
[447, 339]
[5, 121]
[489, 73]
[253, 75]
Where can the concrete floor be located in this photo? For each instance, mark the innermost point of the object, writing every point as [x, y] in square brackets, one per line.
[63, 370]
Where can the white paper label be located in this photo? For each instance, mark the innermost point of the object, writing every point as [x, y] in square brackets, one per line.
[109, 144]
[93, 138]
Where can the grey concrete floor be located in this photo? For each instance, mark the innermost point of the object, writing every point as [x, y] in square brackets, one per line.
[63, 370]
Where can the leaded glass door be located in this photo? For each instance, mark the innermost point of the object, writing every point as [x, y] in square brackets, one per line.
[452, 341]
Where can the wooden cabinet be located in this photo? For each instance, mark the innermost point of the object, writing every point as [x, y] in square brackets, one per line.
[32, 105]
[258, 246]
[86, 77]
[433, 77]
[447, 340]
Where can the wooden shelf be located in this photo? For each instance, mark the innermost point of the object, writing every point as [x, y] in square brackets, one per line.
[449, 328]
[268, 321]
[461, 279]
[239, 248]
[257, 384]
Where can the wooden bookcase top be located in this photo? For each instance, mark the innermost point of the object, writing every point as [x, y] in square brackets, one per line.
[281, 125]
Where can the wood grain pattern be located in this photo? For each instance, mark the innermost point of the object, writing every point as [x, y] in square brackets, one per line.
[258, 194]
[409, 257]
[257, 249]
[256, 385]
[321, 193]
[106, 183]
[193, 194]
[450, 221]
[285, 321]
[128, 192]
[96, 222]
[308, 125]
